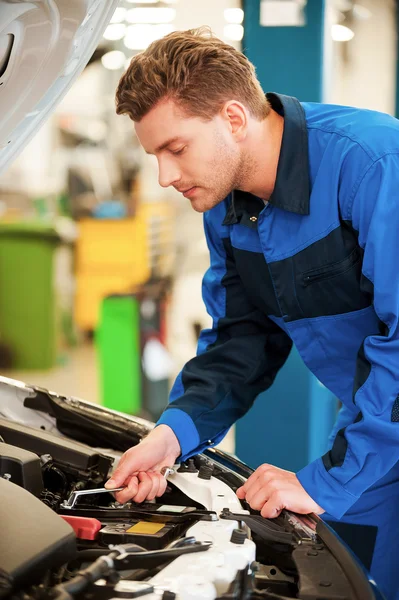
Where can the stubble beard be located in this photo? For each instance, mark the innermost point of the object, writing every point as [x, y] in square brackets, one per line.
[229, 172]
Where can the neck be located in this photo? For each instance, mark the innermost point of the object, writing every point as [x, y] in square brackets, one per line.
[264, 151]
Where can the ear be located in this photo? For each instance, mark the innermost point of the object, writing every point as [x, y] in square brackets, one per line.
[236, 116]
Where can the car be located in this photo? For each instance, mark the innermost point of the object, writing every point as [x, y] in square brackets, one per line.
[63, 535]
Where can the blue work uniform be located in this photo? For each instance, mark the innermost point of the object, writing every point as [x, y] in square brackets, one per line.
[318, 266]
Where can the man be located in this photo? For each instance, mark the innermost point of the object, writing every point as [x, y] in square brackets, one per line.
[301, 218]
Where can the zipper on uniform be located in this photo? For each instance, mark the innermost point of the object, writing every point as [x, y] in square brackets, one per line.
[332, 271]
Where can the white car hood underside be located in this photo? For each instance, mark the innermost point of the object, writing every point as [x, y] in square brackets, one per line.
[44, 46]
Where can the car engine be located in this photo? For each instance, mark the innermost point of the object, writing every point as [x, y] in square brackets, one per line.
[64, 536]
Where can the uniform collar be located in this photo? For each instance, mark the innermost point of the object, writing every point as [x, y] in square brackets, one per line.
[292, 189]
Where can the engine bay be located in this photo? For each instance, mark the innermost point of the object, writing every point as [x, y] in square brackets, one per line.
[65, 536]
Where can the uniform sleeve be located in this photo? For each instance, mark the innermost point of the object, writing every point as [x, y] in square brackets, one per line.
[368, 448]
[236, 360]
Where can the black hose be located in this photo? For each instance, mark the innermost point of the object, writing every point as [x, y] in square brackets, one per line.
[100, 568]
[62, 476]
[94, 553]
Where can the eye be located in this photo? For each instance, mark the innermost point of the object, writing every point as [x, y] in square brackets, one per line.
[177, 152]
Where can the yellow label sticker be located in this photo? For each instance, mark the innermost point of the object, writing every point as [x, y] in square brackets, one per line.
[146, 528]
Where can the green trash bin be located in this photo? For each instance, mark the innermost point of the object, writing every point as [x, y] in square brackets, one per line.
[27, 293]
[119, 353]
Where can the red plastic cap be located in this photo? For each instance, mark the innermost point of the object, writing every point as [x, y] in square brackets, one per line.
[85, 528]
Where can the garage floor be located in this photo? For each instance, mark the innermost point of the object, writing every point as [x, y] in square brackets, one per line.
[77, 376]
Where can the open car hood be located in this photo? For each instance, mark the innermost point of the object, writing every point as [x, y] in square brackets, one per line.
[44, 46]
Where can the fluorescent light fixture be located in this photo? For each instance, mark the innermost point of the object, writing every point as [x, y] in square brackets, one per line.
[118, 15]
[343, 5]
[233, 32]
[139, 37]
[114, 60]
[143, 1]
[234, 15]
[341, 33]
[151, 15]
[282, 13]
[361, 12]
[114, 32]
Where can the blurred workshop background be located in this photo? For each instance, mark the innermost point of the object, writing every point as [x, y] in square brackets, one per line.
[101, 268]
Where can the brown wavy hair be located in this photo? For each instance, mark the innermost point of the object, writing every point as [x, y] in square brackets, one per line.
[198, 71]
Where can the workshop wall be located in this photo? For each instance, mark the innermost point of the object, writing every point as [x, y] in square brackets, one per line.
[287, 59]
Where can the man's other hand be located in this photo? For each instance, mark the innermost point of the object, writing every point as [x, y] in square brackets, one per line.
[140, 466]
[270, 490]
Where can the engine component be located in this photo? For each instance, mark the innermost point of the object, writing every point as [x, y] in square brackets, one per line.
[72, 454]
[154, 558]
[188, 467]
[149, 512]
[238, 536]
[205, 472]
[268, 529]
[85, 528]
[22, 468]
[149, 535]
[33, 539]
[102, 567]
[320, 572]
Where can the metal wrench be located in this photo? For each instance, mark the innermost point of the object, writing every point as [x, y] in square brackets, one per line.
[73, 498]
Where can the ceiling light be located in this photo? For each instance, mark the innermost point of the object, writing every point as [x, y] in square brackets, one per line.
[118, 15]
[234, 15]
[341, 33]
[361, 12]
[344, 5]
[116, 31]
[150, 15]
[113, 60]
[233, 32]
[139, 37]
[143, 1]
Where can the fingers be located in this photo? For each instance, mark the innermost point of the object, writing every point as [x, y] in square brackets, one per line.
[270, 490]
[255, 490]
[258, 497]
[163, 484]
[241, 493]
[260, 473]
[159, 484]
[143, 486]
[131, 489]
[262, 490]
[151, 485]
[125, 468]
[273, 507]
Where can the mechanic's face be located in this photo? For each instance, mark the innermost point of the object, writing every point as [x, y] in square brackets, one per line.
[201, 159]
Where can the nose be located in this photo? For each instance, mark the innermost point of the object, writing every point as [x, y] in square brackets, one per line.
[168, 174]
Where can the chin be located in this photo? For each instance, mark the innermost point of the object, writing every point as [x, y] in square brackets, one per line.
[202, 205]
